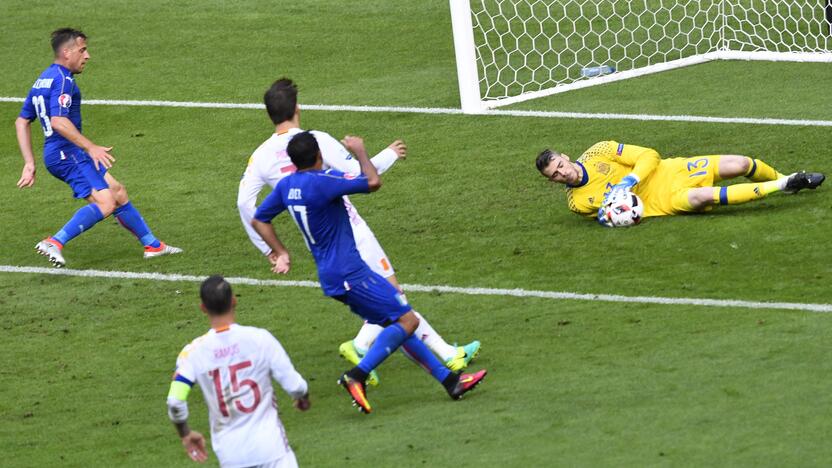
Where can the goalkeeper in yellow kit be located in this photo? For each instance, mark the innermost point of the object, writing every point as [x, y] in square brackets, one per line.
[666, 186]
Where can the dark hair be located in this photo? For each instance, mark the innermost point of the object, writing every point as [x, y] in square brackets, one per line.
[544, 157]
[303, 150]
[64, 35]
[281, 100]
[216, 296]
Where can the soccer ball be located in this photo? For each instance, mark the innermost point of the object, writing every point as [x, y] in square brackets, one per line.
[623, 210]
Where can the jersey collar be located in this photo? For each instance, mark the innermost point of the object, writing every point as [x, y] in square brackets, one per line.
[223, 328]
[63, 69]
[584, 179]
[290, 131]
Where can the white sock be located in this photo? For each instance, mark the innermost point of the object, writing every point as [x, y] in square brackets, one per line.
[433, 340]
[365, 337]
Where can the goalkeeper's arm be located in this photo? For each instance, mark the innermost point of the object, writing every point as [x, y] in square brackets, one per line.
[643, 161]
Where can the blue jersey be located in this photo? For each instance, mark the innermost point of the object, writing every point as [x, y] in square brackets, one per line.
[313, 199]
[54, 94]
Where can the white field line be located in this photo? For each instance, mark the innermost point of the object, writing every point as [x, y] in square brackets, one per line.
[451, 111]
[440, 288]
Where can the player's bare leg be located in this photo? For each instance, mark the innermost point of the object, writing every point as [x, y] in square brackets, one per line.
[733, 165]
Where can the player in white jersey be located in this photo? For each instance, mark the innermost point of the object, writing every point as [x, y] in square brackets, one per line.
[270, 163]
[234, 366]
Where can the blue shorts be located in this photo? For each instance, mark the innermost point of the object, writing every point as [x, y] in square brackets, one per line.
[77, 169]
[375, 300]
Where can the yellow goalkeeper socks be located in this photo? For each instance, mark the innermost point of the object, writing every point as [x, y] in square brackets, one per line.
[744, 193]
[758, 171]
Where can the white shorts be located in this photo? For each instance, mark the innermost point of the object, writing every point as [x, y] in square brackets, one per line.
[286, 461]
[371, 251]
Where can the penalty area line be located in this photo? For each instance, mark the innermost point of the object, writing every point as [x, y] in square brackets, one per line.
[523, 293]
[452, 111]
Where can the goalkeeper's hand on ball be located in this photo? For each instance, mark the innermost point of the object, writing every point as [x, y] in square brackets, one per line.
[626, 184]
[602, 218]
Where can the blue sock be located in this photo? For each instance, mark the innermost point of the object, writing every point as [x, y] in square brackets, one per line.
[387, 341]
[132, 220]
[83, 219]
[420, 353]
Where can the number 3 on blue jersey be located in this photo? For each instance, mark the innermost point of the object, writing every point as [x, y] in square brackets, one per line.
[299, 215]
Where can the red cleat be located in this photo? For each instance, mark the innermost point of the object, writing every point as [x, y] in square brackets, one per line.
[163, 249]
[466, 383]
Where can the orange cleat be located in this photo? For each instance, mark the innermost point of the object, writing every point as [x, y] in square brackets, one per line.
[357, 392]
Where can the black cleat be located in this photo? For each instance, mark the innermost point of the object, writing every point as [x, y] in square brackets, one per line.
[803, 180]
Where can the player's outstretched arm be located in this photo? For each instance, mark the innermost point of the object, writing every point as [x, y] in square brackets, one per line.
[24, 141]
[100, 154]
[337, 157]
[356, 146]
[399, 148]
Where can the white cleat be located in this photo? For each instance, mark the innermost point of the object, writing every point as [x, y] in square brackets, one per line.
[163, 249]
[52, 252]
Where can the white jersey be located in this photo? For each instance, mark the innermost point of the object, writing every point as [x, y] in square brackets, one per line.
[270, 163]
[234, 367]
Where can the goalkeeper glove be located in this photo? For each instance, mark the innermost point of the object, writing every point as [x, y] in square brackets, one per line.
[602, 220]
[627, 183]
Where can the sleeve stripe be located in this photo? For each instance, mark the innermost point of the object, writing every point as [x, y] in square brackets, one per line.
[179, 378]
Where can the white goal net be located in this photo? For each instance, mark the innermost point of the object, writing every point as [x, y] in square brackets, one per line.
[512, 50]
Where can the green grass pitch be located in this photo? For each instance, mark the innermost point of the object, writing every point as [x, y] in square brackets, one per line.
[87, 362]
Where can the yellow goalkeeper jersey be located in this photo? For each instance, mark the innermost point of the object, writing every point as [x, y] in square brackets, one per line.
[663, 183]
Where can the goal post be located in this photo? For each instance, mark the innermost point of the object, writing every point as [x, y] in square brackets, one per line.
[509, 51]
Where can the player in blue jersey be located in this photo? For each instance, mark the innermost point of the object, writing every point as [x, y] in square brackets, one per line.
[313, 198]
[55, 101]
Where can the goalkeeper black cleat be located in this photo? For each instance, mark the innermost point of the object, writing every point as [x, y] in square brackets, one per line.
[803, 180]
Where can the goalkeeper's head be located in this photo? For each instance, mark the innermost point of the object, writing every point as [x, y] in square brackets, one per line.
[216, 296]
[557, 167]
